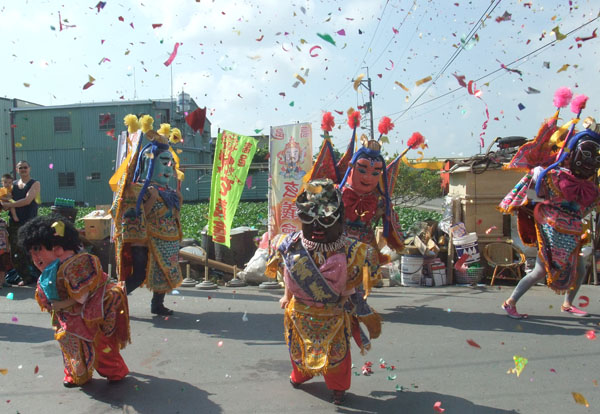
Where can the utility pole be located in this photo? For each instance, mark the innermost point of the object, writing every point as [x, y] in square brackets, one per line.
[369, 106]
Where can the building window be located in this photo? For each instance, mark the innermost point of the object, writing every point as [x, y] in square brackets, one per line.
[95, 176]
[106, 122]
[62, 124]
[66, 179]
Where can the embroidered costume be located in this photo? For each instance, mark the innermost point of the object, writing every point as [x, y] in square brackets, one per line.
[564, 190]
[146, 212]
[323, 272]
[93, 330]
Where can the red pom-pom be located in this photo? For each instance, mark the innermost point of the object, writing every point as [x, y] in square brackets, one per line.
[328, 122]
[416, 140]
[354, 119]
[562, 97]
[578, 103]
[385, 125]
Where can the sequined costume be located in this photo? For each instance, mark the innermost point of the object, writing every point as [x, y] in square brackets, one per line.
[557, 221]
[159, 230]
[317, 328]
[93, 330]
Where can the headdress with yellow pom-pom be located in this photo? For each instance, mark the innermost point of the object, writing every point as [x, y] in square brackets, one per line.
[159, 142]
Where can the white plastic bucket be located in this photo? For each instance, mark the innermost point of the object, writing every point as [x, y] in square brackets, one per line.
[411, 270]
[467, 245]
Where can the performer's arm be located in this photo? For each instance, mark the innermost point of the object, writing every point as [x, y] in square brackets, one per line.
[59, 305]
[285, 299]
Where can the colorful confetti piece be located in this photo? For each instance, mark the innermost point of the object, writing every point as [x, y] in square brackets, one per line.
[520, 363]
[438, 407]
[591, 335]
[580, 399]
[583, 301]
[326, 38]
[423, 80]
[473, 343]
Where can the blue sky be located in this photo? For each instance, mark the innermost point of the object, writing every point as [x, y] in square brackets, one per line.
[240, 59]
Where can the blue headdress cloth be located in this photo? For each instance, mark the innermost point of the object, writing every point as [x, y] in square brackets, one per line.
[154, 148]
[365, 152]
[586, 135]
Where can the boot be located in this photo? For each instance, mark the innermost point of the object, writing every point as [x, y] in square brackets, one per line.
[157, 306]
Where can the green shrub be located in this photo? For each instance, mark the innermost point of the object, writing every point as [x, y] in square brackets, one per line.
[251, 214]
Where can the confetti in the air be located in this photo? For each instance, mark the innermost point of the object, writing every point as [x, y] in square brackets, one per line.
[326, 38]
[583, 301]
[438, 407]
[312, 52]
[173, 54]
[423, 80]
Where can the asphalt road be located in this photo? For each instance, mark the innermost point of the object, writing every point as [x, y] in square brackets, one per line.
[210, 358]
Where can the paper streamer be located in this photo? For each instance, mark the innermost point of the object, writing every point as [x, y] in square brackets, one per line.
[422, 81]
[173, 55]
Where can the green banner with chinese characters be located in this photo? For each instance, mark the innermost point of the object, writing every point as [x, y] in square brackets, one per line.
[233, 156]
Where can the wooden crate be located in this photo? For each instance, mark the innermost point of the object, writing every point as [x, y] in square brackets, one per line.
[479, 196]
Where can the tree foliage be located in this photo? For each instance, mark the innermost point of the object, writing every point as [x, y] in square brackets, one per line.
[415, 185]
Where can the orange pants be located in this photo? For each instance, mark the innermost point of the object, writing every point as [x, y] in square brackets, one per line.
[337, 378]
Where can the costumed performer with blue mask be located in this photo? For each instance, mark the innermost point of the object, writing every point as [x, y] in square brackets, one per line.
[146, 213]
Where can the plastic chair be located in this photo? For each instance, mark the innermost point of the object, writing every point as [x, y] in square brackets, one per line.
[504, 256]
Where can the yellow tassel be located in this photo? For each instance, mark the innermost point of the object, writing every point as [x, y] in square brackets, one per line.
[131, 121]
[165, 130]
[147, 123]
[175, 136]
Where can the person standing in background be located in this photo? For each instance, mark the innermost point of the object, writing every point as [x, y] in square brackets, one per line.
[25, 193]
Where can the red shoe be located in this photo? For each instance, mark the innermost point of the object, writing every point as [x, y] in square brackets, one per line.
[512, 311]
[573, 310]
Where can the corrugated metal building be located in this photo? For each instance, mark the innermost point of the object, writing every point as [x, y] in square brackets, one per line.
[72, 151]
[6, 152]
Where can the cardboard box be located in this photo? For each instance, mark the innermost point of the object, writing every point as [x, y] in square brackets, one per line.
[97, 225]
[427, 250]
[437, 269]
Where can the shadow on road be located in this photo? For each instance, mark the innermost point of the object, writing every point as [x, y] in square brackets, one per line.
[15, 332]
[258, 329]
[477, 321]
[413, 402]
[141, 393]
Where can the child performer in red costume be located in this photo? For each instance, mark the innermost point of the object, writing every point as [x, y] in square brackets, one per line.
[89, 314]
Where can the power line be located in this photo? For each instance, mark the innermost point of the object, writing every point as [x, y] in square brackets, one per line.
[493, 72]
[453, 57]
